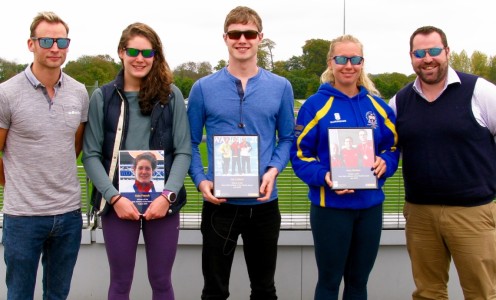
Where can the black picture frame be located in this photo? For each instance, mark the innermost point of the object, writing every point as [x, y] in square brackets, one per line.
[351, 156]
[236, 166]
[127, 178]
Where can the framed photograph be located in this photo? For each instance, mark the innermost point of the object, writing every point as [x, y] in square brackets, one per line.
[352, 156]
[236, 166]
[141, 176]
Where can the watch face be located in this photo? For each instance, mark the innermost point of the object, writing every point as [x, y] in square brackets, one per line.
[170, 195]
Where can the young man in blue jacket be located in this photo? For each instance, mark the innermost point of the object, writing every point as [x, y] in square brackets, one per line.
[239, 99]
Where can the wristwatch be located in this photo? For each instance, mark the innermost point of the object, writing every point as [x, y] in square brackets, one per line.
[170, 196]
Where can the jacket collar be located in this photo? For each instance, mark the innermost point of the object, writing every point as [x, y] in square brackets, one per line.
[119, 80]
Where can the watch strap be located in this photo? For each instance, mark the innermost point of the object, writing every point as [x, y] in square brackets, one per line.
[169, 195]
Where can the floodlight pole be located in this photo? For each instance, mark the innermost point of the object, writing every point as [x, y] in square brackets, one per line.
[344, 17]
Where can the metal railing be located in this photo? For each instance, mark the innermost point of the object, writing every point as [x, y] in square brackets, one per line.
[293, 202]
[295, 206]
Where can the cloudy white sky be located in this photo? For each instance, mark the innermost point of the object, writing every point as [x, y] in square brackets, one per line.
[191, 30]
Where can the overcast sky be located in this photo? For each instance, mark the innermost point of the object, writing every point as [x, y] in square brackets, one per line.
[191, 30]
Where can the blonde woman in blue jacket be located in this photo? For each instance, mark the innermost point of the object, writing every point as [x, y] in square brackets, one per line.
[346, 224]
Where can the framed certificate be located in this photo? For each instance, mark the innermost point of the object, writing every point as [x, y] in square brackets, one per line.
[141, 176]
[236, 166]
[352, 156]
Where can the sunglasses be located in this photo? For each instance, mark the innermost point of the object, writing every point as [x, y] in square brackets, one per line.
[147, 53]
[421, 53]
[343, 60]
[236, 35]
[47, 43]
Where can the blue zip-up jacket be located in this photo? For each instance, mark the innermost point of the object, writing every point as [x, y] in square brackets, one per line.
[218, 104]
[310, 151]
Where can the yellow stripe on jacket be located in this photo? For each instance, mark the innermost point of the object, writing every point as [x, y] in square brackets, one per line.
[387, 121]
[319, 115]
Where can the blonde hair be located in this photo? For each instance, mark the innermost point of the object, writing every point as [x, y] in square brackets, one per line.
[328, 76]
[46, 16]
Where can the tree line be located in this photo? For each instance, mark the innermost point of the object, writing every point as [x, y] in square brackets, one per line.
[302, 71]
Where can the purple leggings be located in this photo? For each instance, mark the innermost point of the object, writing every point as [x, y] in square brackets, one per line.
[121, 243]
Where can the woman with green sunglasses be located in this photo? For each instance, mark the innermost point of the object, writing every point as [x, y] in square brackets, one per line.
[140, 110]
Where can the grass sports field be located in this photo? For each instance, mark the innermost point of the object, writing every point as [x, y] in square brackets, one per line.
[292, 191]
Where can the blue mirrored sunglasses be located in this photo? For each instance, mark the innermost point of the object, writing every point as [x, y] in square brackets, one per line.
[421, 53]
[47, 43]
[343, 60]
[132, 52]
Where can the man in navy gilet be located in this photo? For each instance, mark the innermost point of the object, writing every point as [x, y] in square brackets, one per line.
[446, 125]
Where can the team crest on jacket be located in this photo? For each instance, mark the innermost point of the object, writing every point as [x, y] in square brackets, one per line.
[371, 119]
[297, 130]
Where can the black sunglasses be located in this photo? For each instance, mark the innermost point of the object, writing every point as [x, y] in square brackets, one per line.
[236, 34]
[343, 60]
[133, 52]
[47, 43]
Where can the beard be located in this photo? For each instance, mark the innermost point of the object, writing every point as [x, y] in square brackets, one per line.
[428, 76]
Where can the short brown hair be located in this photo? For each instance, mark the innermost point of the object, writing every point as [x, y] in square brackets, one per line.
[425, 30]
[243, 15]
[46, 16]
[146, 156]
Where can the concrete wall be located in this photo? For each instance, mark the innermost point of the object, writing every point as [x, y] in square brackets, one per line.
[295, 279]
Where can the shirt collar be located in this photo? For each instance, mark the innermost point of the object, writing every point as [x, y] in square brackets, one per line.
[451, 79]
[35, 82]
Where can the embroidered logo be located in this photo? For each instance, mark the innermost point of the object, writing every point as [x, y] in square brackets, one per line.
[297, 130]
[337, 119]
[371, 119]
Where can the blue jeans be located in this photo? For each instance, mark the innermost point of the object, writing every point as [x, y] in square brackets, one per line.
[55, 238]
[346, 245]
[259, 227]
